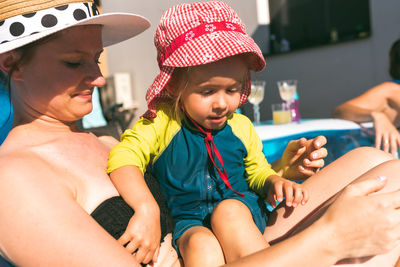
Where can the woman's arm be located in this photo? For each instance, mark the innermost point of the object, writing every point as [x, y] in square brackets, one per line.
[357, 225]
[381, 105]
[42, 224]
[377, 99]
[364, 162]
[307, 248]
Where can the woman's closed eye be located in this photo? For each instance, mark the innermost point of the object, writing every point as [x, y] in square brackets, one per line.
[73, 64]
[76, 64]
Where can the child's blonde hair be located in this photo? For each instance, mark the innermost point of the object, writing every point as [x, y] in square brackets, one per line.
[175, 88]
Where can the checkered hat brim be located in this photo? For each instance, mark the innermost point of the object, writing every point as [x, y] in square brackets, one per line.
[196, 34]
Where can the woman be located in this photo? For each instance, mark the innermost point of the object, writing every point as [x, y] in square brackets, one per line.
[56, 177]
[52, 177]
[380, 104]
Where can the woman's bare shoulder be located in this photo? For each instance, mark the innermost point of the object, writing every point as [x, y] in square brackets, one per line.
[22, 166]
[108, 141]
[26, 173]
[17, 162]
[43, 209]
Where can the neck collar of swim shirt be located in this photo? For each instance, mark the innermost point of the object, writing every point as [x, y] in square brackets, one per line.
[212, 150]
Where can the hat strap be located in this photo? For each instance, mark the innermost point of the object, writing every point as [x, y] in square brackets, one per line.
[206, 28]
[208, 140]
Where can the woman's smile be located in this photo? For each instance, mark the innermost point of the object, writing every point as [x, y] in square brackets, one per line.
[84, 95]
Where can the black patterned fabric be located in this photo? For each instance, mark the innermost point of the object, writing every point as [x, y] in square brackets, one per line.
[57, 17]
[114, 213]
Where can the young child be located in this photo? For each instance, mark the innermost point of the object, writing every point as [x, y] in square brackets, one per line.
[207, 158]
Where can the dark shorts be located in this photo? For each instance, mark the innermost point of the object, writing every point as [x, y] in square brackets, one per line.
[5, 263]
[256, 206]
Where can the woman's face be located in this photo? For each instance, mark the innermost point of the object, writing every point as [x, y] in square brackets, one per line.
[59, 79]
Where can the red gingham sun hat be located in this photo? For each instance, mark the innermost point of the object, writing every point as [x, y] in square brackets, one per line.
[196, 34]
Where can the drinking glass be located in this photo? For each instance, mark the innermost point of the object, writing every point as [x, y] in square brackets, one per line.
[256, 97]
[280, 113]
[287, 90]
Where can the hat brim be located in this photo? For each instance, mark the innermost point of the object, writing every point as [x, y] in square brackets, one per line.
[117, 27]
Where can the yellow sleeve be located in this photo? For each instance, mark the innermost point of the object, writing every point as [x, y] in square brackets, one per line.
[257, 167]
[141, 144]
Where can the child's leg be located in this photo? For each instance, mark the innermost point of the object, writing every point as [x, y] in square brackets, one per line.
[233, 225]
[199, 247]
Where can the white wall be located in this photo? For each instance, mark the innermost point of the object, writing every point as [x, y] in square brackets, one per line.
[327, 75]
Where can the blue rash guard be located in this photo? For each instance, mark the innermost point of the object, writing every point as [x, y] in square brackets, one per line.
[179, 160]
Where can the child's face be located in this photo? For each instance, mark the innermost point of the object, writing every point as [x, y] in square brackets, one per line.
[213, 91]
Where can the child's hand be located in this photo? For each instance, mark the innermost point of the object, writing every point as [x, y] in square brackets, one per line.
[142, 237]
[279, 187]
[303, 158]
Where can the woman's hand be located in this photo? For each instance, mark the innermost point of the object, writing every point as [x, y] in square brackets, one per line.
[362, 224]
[279, 187]
[142, 236]
[302, 158]
[387, 137]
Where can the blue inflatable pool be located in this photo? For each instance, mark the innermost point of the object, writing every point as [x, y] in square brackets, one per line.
[342, 136]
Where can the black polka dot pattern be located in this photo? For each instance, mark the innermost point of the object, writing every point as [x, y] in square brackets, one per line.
[49, 21]
[17, 29]
[64, 7]
[29, 15]
[25, 25]
[79, 14]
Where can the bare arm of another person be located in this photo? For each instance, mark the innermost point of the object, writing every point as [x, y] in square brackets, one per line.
[381, 98]
[323, 187]
[380, 104]
[143, 233]
[42, 223]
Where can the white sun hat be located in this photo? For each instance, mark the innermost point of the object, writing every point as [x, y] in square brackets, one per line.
[23, 22]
